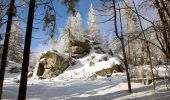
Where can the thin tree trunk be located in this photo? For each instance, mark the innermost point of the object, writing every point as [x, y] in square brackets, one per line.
[165, 8]
[147, 44]
[5, 47]
[129, 49]
[1, 10]
[25, 64]
[123, 46]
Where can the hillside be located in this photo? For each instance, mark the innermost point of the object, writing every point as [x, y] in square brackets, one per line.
[75, 84]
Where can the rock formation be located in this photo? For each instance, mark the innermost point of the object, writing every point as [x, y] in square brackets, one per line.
[50, 64]
[78, 49]
[108, 71]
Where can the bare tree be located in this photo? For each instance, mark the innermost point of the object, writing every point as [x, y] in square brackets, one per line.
[131, 27]
[146, 43]
[165, 24]
[109, 9]
[121, 38]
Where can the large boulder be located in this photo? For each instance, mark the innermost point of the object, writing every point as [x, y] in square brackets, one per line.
[50, 64]
[105, 72]
[109, 71]
[77, 48]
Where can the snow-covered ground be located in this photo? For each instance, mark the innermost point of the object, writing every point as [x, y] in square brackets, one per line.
[114, 88]
[73, 84]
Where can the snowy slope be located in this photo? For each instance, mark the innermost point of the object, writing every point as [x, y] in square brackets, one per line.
[87, 66]
[73, 84]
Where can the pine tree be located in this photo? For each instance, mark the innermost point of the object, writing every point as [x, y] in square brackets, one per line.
[93, 32]
[16, 41]
[74, 26]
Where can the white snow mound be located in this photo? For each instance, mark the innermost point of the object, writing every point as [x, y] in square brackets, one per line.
[87, 66]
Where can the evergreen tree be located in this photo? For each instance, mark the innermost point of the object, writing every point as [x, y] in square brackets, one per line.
[73, 26]
[93, 32]
[16, 41]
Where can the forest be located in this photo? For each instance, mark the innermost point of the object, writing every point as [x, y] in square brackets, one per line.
[84, 49]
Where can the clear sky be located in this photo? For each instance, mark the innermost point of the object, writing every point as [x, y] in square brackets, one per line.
[83, 8]
[62, 14]
[38, 35]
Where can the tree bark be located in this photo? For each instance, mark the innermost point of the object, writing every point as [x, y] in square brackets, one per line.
[165, 8]
[166, 27]
[25, 64]
[1, 10]
[5, 47]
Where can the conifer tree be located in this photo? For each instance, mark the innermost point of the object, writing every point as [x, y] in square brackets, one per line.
[93, 32]
[15, 43]
[74, 26]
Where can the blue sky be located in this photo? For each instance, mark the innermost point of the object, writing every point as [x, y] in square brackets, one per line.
[82, 8]
[39, 35]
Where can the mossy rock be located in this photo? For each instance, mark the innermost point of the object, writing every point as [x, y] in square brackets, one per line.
[105, 72]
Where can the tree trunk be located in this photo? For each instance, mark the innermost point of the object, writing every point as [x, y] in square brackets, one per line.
[164, 6]
[123, 46]
[5, 47]
[166, 27]
[1, 10]
[25, 64]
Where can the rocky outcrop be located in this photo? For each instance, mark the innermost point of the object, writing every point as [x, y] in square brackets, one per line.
[50, 64]
[77, 48]
[105, 72]
[108, 71]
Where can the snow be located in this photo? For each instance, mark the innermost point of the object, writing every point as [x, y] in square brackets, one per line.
[83, 70]
[162, 69]
[36, 69]
[54, 51]
[74, 85]
[159, 71]
[11, 64]
[114, 88]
